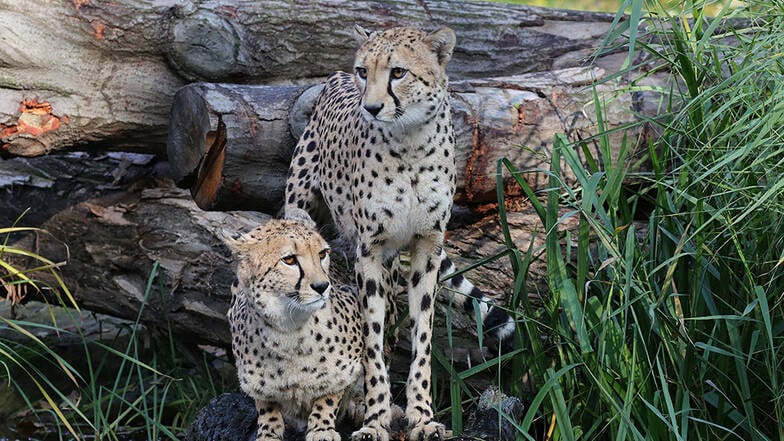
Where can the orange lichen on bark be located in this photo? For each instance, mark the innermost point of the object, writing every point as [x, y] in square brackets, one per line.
[529, 114]
[79, 3]
[34, 107]
[7, 131]
[475, 164]
[36, 118]
[99, 30]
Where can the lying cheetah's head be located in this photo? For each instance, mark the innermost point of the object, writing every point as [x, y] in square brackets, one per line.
[282, 267]
[402, 73]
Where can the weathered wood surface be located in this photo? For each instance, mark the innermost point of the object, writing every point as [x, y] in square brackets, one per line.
[243, 163]
[111, 218]
[112, 243]
[96, 74]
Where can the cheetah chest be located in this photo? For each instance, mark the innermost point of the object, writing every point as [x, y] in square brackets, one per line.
[297, 367]
[413, 200]
[408, 190]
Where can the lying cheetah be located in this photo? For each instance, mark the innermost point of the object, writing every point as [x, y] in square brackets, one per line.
[296, 340]
[379, 150]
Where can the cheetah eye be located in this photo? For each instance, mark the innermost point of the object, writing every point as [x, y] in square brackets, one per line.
[361, 72]
[323, 253]
[290, 260]
[398, 73]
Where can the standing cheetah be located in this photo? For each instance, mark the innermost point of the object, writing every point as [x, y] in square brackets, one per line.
[297, 341]
[379, 150]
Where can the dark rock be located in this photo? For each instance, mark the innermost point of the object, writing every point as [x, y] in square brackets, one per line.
[483, 424]
[232, 417]
[228, 417]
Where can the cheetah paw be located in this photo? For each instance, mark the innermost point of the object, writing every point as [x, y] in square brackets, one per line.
[369, 433]
[429, 431]
[322, 435]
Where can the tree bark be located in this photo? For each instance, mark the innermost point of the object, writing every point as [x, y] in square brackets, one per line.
[112, 244]
[111, 219]
[95, 74]
[231, 144]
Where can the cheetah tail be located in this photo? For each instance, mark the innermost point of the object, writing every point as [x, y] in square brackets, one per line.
[496, 322]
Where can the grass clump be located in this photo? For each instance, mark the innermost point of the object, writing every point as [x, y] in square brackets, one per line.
[664, 318]
[134, 385]
[16, 357]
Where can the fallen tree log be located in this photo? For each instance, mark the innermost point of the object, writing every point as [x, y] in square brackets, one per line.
[90, 74]
[231, 144]
[112, 244]
[112, 219]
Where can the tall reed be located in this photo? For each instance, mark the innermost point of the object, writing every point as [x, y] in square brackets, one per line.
[664, 317]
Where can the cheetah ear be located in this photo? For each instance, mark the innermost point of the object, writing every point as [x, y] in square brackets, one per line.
[299, 215]
[442, 42]
[361, 34]
[237, 240]
[237, 243]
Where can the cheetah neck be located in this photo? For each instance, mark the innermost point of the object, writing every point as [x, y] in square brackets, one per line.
[408, 139]
[296, 320]
[288, 325]
[285, 322]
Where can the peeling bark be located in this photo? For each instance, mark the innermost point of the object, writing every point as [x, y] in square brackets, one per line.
[35, 118]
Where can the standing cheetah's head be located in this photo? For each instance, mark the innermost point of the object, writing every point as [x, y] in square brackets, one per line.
[282, 267]
[401, 73]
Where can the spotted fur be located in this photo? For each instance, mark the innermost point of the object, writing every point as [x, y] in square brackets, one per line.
[297, 341]
[379, 150]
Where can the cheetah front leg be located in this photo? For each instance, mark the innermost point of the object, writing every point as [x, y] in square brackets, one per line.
[270, 421]
[321, 422]
[302, 183]
[369, 273]
[425, 255]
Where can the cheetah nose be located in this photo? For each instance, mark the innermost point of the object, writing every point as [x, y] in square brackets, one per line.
[373, 109]
[320, 287]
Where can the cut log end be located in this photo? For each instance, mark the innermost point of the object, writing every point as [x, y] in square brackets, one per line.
[210, 174]
[231, 144]
[204, 45]
[189, 126]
